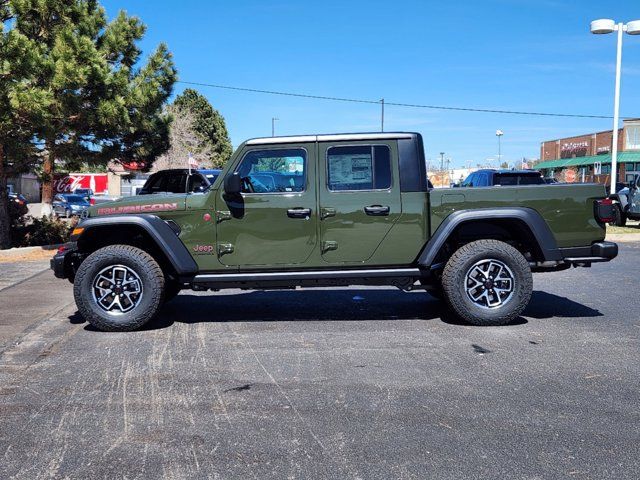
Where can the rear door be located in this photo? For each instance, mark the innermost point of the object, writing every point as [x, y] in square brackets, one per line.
[359, 198]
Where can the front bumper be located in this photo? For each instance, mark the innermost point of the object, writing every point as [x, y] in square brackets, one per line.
[62, 262]
[597, 252]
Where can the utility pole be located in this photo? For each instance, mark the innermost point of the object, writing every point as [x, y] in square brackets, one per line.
[448, 171]
[499, 134]
[382, 115]
[441, 161]
[604, 26]
[273, 126]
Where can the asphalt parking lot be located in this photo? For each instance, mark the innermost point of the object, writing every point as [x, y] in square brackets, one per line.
[332, 383]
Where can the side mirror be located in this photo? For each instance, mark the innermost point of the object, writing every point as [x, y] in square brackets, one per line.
[232, 184]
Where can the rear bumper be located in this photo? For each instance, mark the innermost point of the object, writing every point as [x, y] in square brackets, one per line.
[597, 252]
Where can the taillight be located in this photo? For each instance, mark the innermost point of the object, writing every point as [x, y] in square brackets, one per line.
[92, 201]
[604, 210]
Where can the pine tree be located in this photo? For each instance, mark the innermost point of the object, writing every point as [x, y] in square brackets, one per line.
[209, 125]
[70, 90]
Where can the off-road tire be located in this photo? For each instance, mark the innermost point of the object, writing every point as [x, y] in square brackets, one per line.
[619, 217]
[142, 264]
[454, 282]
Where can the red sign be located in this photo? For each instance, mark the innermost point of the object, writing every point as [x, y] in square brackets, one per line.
[97, 182]
[570, 176]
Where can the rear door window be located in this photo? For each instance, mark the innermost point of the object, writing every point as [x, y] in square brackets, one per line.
[359, 167]
[155, 183]
[176, 183]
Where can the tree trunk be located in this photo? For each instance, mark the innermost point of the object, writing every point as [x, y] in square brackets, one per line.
[5, 220]
[47, 182]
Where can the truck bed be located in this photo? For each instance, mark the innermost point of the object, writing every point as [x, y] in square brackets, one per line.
[568, 209]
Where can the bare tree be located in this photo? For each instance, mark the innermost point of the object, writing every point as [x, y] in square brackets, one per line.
[184, 141]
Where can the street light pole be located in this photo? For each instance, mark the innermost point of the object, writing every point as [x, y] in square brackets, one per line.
[273, 126]
[604, 26]
[382, 115]
[499, 134]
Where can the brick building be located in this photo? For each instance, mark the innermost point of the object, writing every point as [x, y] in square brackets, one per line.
[588, 157]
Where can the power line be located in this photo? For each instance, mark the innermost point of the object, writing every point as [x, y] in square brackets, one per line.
[396, 104]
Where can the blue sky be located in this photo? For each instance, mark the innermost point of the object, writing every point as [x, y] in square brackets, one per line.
[533, 55]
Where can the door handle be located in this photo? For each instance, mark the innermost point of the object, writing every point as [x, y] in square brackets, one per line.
[299, 213]
[377, 210]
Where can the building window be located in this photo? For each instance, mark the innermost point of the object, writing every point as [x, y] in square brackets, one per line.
[632, 137]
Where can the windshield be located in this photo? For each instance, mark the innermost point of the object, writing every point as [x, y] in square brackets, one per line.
[75, 199]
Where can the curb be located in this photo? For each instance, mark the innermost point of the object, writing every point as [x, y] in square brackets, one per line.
[14, 252]
[623, 237]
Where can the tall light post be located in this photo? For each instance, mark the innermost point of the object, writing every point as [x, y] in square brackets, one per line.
[600, 27]
[499, 134]
[273, 126]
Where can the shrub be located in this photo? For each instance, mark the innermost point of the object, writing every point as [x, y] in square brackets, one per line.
[49, 230]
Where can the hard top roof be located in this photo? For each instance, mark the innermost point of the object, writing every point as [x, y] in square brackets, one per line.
[330, 138]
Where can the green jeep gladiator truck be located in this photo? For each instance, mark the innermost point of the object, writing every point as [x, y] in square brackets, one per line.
[332, 210]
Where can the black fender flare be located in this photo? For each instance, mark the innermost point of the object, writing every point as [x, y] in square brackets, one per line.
[531, 218]
[160, 232]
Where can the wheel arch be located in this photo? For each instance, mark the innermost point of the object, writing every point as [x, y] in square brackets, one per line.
[148, 232]
[522, 225]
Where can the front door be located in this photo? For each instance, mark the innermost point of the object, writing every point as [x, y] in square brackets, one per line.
[359, 198]
[274, 220]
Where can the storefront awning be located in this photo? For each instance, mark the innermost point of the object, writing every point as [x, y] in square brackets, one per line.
[623, 157]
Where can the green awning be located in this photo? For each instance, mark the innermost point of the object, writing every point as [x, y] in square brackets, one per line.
[623, 157]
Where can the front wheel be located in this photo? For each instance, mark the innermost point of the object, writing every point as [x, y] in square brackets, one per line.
[119, 288]
[487, 282]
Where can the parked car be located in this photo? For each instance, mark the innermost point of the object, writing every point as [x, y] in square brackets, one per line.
[363, 214]
[17, 205]
[626, 202]
[87, 193]
[492, 177]
[175, 181]
[69, 204]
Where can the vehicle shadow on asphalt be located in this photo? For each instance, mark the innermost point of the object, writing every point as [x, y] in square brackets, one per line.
[547, 305]
[336, 305]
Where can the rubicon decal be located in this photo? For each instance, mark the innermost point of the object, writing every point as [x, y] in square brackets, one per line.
[150, 208]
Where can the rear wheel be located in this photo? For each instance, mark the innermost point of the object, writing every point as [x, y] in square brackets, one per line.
[487, 282]
[118, 288]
